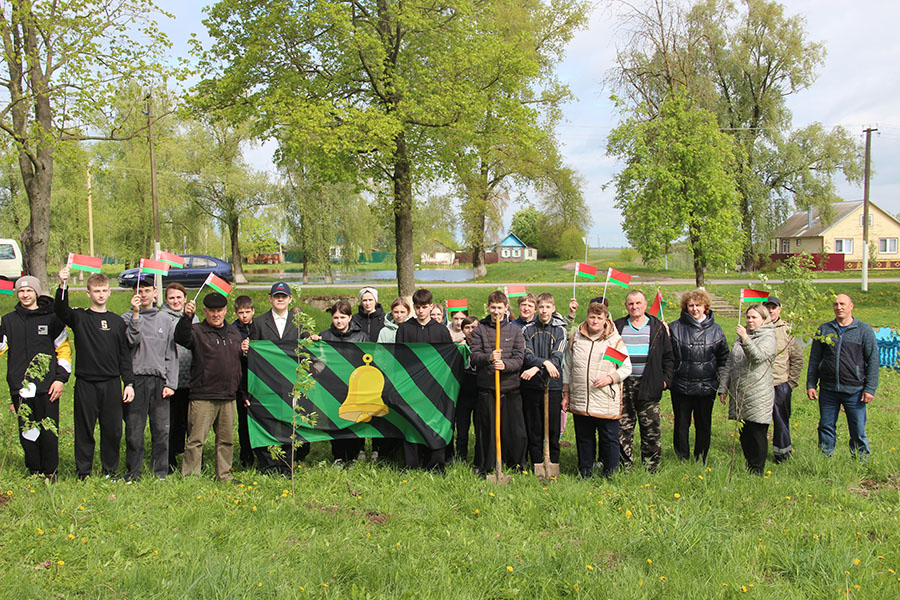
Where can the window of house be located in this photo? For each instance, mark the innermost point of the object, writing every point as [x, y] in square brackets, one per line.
[871, 220]
[887, 245]
[504, 252]
[785, 246]
[517, 252]
[843, 245]
[798, 242]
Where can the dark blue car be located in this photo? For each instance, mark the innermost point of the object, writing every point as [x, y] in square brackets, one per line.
[197, 268]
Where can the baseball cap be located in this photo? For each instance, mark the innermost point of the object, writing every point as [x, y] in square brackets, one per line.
[280, 288]
[773, 300]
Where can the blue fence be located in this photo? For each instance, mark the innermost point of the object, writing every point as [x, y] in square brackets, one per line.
[888, 347]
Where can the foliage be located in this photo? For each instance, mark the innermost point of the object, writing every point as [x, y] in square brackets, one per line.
[571, 244]
[258, 236]
[526, 225]
[35, 371]
[802, 303]
[677, 182]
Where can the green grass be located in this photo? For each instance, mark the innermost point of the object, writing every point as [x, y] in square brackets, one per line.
[814, 527]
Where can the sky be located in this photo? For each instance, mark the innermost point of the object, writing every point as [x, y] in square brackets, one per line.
[858, 87]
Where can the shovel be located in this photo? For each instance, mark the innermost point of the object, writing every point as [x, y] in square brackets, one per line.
[546, 470]
[498, 477]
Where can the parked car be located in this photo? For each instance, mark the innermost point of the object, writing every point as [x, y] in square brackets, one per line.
[10, 260]
[197, 268]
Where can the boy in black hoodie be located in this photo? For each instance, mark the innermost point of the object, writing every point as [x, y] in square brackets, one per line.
[31, 329]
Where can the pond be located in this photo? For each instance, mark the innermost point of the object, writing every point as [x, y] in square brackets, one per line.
[358, 277]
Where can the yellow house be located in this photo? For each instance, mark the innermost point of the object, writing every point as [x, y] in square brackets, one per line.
[805, 232]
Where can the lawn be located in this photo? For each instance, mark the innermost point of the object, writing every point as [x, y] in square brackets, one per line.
[814, 527]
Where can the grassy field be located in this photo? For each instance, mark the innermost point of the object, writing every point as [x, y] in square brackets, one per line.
[814, 527]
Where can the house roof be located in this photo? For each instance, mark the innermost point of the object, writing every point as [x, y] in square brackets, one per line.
[512, 241]
[433, 246]
[797, 225]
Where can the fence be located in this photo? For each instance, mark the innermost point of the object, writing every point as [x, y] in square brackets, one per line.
[888, 348]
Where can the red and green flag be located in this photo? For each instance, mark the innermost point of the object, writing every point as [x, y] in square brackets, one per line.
[614, 355]
[618, 278]
[748, 295]
[155, 267]
[82, 262]
[658, 307]
[457, 305]
[173, 260]
[585, 270]
[6, 287]
[218, 284]
[515, 291]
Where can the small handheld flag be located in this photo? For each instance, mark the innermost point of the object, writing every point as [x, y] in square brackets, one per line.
[6, 287]
[82, 262]
[585, 270]
[173, 260]
[457, 305]
[218, 284]
[618, 278]
[515, 291]
[614, 356]
[748, 295]
[658, 307]
[148, 265]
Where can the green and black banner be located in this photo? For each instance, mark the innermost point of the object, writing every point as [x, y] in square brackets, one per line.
[364, 390]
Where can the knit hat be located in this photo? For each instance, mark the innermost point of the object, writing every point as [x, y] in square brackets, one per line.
[371, 290]
[30, 281]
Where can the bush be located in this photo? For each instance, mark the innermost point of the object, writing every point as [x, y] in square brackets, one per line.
[571, 244]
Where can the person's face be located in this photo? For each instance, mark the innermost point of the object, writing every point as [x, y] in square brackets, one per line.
[595, 323]
[497, 310]
[399, 313]
[27, 297]
[280, 303]
[340, 321]
[368, 302]
[423, 313]
[545, 311]
[468, 329]
[754, 320]
[636, 305]
[147, 294]
[526, 310]
[215, 316]
[175, 299]
[437, 314]
[696, 310]
[458, 318]
[843, 306]
[245, 315]
[98, 294]
[774, 311]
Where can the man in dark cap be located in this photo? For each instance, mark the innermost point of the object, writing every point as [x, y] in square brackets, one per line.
[215, 379]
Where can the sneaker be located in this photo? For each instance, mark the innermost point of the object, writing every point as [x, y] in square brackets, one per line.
[374, 456]
[338, 463]
[361, 456]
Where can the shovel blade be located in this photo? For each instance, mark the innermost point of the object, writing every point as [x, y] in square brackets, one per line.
[546, 471]
[498, 478]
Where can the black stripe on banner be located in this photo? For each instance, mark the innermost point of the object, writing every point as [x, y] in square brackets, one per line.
[411, 362]
[281, 385]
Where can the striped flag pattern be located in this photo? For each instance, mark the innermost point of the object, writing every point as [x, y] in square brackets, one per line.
[455, 305]
[83, 262]
[7, 287]
[618, 278]
[749, 295]
[614, 356]
[585, 270]
[172, 260]
[420, 389]
[218, 284]
[514, 291]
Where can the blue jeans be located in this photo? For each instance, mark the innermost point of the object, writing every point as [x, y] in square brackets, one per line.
[829, 407]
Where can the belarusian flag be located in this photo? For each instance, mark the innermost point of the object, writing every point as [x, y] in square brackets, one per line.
[156, 267]
[82, 262]
[658, 306]
[218, 284]
[514, 291]
[748, 295]
[585, 270]
[363, 390]
[614, 355]
[618, 278]
[456, 305]
[172, 259]
[7, 287]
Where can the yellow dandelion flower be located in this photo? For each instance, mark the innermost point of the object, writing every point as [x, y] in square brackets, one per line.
[856, 587]
[60, 562]
[891, 571]
[476, 512]
[40, 531]
[641, 583]
[71, 536]
[491, 494]
[649, 561]
[744, 588]
[589, 567]
[156, 552]
[398, 543]
[677, 495]
[663, 578]
[199, 497]
[627, 513]
[84, 540]
[259, 584]
[509, 568]
[856, 562]
[880, 558]
[253, 508]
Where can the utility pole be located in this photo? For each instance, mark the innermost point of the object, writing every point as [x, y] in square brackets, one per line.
[865, 254]
[156, 248]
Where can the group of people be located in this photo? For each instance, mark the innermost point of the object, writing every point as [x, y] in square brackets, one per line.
[188, 376]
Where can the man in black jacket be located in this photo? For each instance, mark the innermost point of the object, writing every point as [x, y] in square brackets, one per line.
[652, 362]
[31, 329]
[277, 325]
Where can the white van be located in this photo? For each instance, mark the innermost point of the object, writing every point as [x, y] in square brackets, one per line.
[10, 260]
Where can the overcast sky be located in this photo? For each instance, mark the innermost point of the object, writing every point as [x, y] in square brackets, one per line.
[858, 86]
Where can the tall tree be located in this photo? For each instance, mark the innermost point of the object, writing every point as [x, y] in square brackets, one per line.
[742, 60]
[678, 183]
[61, 60]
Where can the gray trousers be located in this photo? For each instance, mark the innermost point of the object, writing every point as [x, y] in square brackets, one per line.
[148, 401]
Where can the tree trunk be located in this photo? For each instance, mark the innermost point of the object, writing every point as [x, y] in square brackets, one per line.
[697, 253]
[35, 238]
[305, 269]
[403, 219]
[479, 265]
[237, 267]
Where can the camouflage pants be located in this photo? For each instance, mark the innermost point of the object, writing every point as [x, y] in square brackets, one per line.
[646, 414]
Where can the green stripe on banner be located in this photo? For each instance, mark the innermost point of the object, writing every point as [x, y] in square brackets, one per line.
[330, 405]
[261, 437]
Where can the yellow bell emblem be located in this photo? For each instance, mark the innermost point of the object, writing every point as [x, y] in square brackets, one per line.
[364, 394]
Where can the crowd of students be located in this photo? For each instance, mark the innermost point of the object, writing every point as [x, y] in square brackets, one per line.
[185, 376]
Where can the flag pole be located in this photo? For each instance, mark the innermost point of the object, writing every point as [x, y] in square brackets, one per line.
[574, 279]
[608, 273]
[198, 292]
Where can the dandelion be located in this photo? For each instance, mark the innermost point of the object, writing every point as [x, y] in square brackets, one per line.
[476, 512]
[84, 540]
[253, 508]
[744, 589]
[856, 562]
[71, 536]
[259, 584]
[491, 494]
[627, 513]
[676, 495]
[199, 497]
[663, 578]
[589, 567]
[641, 583]
[509, 568]
[60, 562]
[880, 558]
[649, 561]
[40, 531]
[156, 552]
[699, 476]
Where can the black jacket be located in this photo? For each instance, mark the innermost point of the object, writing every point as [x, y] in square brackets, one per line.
[544, 342]
[660, 360]
[370, 323]
[216, 351]
[27, 333]
[512, 342]
[264, 328]
[353, 334]
[432, 332]
[700, 351]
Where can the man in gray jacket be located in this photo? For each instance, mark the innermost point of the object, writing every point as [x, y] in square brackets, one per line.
[786, 376]
[151, 337]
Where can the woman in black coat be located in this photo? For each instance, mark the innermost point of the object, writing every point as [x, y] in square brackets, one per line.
[701, 351]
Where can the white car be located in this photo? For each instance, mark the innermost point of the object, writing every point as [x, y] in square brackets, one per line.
[10, 260]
